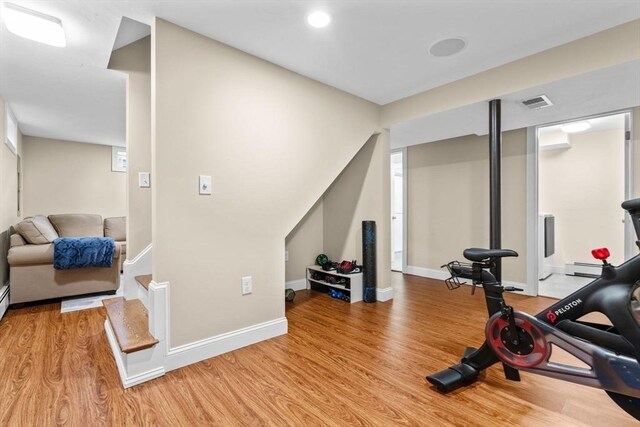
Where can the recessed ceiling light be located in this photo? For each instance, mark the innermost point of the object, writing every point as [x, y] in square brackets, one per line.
[447, 47]
[34, 25]
[575, 127]
[318, 19]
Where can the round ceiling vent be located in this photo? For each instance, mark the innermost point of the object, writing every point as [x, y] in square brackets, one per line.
[447, 47]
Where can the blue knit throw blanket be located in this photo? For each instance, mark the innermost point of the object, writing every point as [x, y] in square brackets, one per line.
[79, 252]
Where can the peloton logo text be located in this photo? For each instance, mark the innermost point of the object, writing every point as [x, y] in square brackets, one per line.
[553, 315]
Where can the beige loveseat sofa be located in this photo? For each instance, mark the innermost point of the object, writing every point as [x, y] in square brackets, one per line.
[31, 273]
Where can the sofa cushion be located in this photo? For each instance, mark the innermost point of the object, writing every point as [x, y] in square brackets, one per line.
[37, 230]
[77, 225]
[116, 228]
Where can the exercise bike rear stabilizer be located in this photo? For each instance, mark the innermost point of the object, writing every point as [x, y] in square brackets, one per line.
[524, 343]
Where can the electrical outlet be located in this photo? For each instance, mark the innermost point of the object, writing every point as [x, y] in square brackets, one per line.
[286, 256]
[247, 285]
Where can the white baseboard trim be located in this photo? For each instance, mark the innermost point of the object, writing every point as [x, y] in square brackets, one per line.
[526, 290]
[557, 269]
[384, 294]
[427, 272]
[144, 377]
[128, 381]
[138, 367]
[443, 275]
[207, 348]
[296, 285]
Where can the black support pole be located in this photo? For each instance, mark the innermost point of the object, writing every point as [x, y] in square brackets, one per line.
[495, 168]
[495, 198]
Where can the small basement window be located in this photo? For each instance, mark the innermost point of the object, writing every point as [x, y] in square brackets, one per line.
[12, 132]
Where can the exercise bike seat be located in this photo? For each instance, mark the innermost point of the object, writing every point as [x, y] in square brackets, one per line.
[479, 254]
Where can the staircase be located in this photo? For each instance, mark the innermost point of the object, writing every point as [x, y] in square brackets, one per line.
[129, 321]
[135, 326]
[144, 280]
[142, 290]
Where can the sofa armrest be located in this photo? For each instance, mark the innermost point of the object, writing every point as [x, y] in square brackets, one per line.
[121, 249]
[30, 255]
[17, 240]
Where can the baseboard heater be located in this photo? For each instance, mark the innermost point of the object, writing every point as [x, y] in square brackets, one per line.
[583, 269]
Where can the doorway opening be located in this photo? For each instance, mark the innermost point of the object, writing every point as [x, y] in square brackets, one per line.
[398, 205]
[584, 174]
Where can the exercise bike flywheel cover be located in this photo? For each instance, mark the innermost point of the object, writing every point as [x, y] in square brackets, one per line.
[536, 350]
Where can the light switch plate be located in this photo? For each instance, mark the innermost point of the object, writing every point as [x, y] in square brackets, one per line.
[205, 184]
[144, 179]
[247, 285]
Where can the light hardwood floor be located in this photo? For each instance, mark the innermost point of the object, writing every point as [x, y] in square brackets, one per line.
[340, 364]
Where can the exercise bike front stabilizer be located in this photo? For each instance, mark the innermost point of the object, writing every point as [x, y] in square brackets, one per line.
[524, 343]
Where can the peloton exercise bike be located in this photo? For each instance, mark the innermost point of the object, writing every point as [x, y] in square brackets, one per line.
[524, 342]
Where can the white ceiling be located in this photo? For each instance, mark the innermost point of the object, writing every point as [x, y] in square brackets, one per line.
[373, 49]
[554, 138]
[605, 90]
[130, 31]
[598, 124]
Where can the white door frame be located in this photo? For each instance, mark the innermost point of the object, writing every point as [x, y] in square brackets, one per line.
[532, 193]
[403, 152]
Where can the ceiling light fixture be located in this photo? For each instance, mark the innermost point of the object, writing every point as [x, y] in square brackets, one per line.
[34, 25]
[318, 19]
[575, 127]
[447, 47]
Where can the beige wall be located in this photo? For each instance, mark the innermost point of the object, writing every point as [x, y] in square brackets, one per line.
[334, 225]
[614, 46]
[135, 60]
[605, 49]
[583, 187]
[304, 243]
[635, 135]
[70, 177]
[448, 200]
[263, 134]
[360, 193]
[8, 192]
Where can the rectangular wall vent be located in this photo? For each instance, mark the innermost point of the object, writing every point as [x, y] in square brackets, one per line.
[537, 102]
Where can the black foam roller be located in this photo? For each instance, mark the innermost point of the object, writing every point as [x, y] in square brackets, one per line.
[369, 261]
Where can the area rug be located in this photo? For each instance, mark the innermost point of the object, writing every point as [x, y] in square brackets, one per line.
[83, 303]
